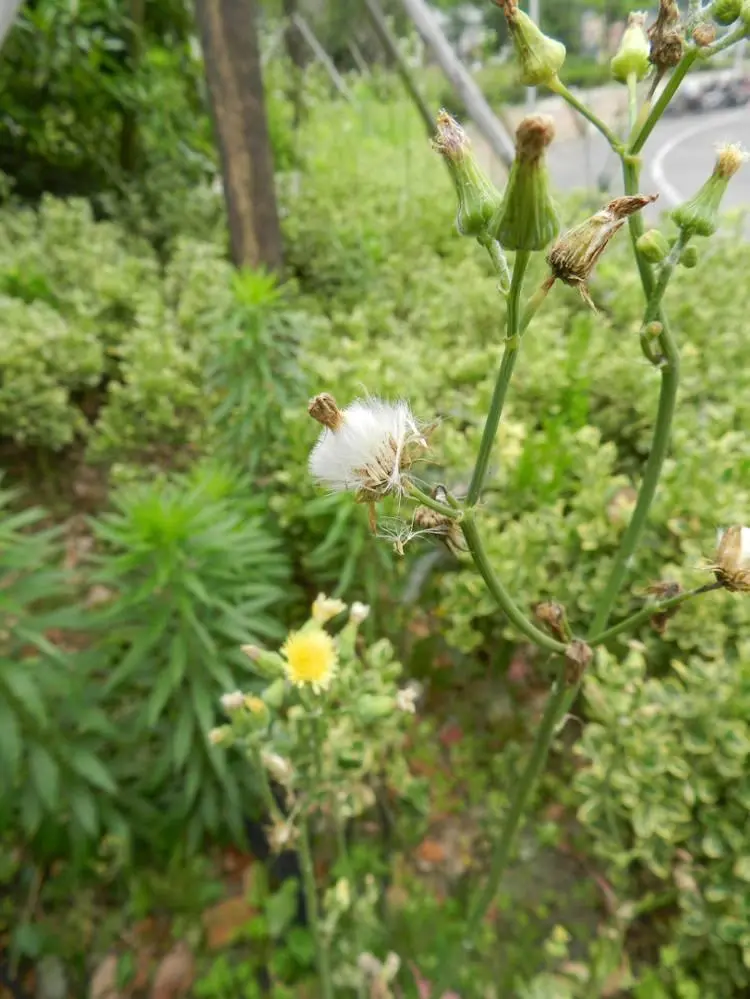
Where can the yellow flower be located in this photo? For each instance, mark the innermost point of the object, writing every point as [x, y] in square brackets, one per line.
[310, 658]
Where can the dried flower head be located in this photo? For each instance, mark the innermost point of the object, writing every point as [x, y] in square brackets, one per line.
[326, 608]
[366, 447]
[699, 216]
[358, 612]
[578, 655]
[430, 521]
[232, 702]
[663, 590]
[540, 57]
[574, 255]
[666, 37]
[731, 564]
[704, 35]
[632, 56]
[478, 198]
[310, 658]
[278, 767]
[528, 218]
[552, 615]
[281, 836]
[407, 697]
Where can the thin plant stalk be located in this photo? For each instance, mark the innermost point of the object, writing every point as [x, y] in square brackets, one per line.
[632, 101]
[501, 854]
[647, 612]
[508, 363]
[322, 956]
[498, 591]
[455, 513]
[558, 87]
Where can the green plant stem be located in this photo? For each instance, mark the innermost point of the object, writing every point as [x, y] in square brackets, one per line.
[647, 612]
[265, 787]
[508, 363]
[322, 956]
[499, 261]
[534, 303]
[455, 513]
[498, 591]
[670, 377]
[521, 793]
[632, 101]
[681, 69]
[558, 87]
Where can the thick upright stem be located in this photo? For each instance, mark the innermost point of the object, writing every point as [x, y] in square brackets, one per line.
[670, 377]
[512, 344]
[665, 97]
[322, 957]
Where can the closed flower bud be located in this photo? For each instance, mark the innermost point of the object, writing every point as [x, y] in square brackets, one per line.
[371, 707]
[574, 255]
[689, 257]
[478, 198]
[726, 11]
[700, 215]
[221, 736]
[552, 615]
[269, 664]
[653, 245]
[578, 655]
[257, 708]
[275, 693]
[540, 57]
[731, 565]
[666, 37]
[528, 219]
[233, 702]
[358, 612]
[632, 57]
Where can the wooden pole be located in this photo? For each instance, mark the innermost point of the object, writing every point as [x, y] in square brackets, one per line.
[235, 84]
[321, 55]
[474, 100]
[380, 25]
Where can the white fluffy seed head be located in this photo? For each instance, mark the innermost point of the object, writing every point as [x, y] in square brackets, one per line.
[367, 453]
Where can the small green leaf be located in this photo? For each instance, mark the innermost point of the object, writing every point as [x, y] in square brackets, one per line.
[45, 775]
[83, 809]
[10, 741]
[281, 908]
[93, 770]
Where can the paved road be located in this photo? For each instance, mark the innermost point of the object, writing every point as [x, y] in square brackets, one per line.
[677, 159]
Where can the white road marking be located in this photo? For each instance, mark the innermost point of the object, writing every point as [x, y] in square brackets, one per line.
[669, 192]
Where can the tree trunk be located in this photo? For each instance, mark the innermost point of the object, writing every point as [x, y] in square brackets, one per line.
[235, 84]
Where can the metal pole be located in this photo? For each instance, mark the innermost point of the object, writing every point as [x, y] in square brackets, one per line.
[534, 14]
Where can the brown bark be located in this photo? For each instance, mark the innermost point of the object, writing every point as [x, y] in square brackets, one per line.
[232, 58]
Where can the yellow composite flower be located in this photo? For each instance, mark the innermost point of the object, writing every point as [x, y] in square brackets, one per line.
[310, 658]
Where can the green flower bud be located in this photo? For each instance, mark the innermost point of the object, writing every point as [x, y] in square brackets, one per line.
[689, 257]
[275, 693]
[632, 57]
[700, 215]
[265, 663]
[726, 11]
[541, 57]
[574, 255]
[653, 245]
[478, 198]
[528, 219]
[372, 707]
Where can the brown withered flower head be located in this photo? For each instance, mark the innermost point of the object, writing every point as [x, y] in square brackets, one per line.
[667, 37]
[731, 564]
[578, 655]
[445, 528]
[552, 615]
[573, 256]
